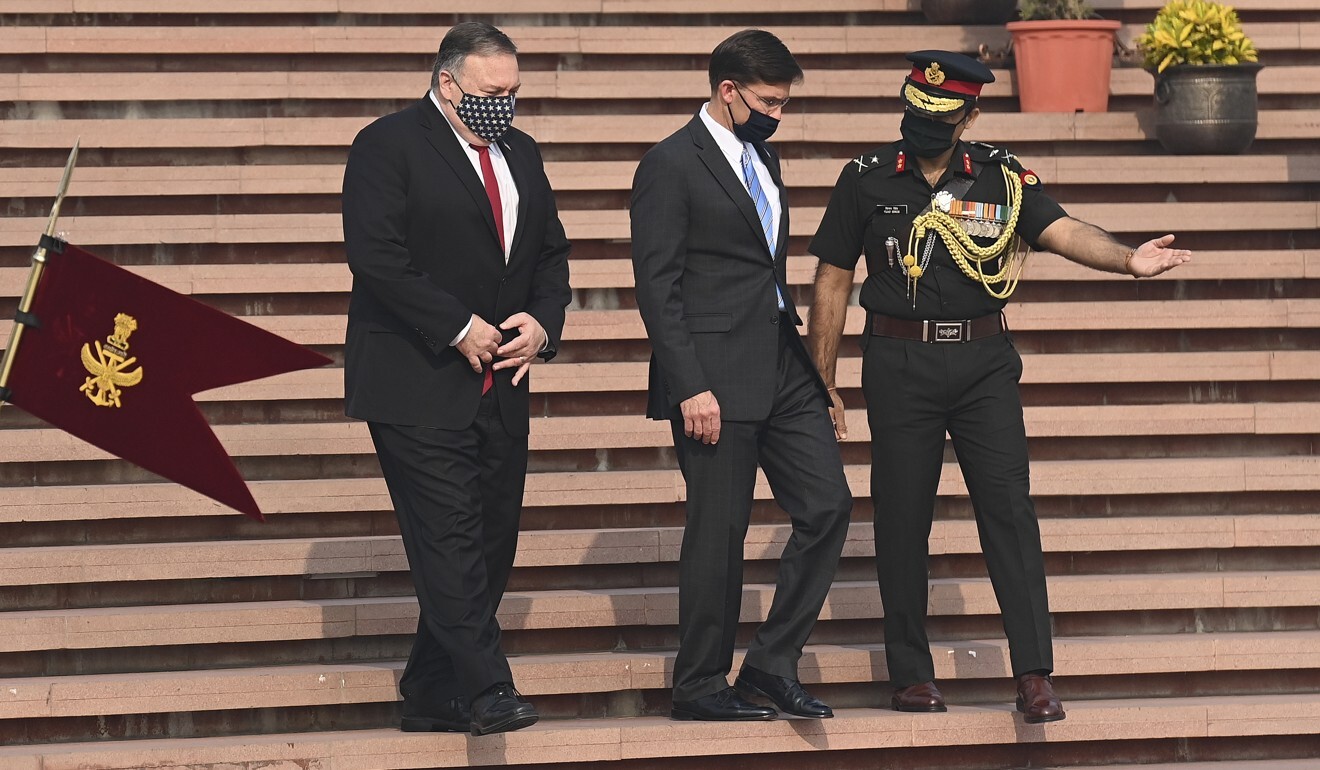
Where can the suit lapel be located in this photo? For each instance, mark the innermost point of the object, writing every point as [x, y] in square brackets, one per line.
[441, 137]
[718, 165]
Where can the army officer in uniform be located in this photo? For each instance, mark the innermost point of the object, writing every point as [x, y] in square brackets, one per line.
[944, 226]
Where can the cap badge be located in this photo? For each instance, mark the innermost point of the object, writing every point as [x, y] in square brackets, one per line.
[934, 75]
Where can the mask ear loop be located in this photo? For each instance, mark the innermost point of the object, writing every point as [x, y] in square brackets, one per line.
[460, 90]
[729, 106]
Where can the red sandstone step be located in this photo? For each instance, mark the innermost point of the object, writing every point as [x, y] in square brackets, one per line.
[646, 545]
[1147, 476]
[114, 181]
[537, 84]
[584, 741]
[554, 39]
[557, 674]
[998, 128]
[605, 7]
[634, 431]
[613, 224]
[606, 376]
[220, 623]
[335, 278]
[598, 325]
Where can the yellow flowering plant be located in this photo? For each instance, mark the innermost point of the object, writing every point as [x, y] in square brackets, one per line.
[1195, 32]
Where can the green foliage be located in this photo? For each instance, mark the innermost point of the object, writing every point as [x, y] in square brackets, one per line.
[1049, 10]
[1195, 32]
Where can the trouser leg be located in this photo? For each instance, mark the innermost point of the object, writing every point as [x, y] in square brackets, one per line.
[905, 387]
[434, 478]
[990, 440]
[720, 479]
[801, 460]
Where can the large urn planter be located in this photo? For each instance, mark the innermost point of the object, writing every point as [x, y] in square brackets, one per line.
[1064, 65]
[968, 11]
[1206, 109]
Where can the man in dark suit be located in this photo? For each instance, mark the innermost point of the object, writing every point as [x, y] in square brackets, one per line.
[730, 371]
[460, 280]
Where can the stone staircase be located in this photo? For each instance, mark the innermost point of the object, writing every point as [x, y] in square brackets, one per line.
[1173, 422]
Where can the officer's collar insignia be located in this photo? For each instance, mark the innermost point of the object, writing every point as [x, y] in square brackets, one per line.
[863, 163]
[967, 163]
[1029, 179]
[900, 165]
[934, 75]
[995, 153]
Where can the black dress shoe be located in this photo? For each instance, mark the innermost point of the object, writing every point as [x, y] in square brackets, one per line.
[724, 706]
[452, 716]
[787, 694]
[499, 709]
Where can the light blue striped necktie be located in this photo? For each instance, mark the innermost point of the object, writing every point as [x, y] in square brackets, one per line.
[763, 211]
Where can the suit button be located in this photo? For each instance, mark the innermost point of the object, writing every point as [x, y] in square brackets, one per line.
[774, 319]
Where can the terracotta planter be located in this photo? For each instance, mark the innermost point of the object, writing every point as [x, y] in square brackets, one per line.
[1206, 109]
[968, 11]
[1063, 66]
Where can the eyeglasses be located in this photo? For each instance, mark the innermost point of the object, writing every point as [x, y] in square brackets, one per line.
[770, 104]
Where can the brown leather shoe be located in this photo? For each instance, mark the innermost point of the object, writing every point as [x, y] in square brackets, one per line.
[1037, 701]
[918, 697]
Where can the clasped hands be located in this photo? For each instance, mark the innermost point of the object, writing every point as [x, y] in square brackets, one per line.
[481, 345]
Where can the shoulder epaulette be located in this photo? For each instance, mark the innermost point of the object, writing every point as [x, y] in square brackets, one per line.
[873, 159]
[988, 153]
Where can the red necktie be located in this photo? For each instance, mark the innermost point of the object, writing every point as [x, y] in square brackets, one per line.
[496, 208]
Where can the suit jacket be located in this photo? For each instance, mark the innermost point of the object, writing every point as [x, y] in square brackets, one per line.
[705, 278]
[425, 256]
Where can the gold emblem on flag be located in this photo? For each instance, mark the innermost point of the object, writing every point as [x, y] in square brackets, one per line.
[108, 367]
[935, 75]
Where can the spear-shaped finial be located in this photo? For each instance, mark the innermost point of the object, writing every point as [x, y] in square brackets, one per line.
[38, 261]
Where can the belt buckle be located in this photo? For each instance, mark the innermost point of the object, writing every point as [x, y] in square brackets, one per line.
[946, 331]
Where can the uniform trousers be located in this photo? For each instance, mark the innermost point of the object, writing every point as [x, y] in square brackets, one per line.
[458, 497]
[915, 392]
[795, 446]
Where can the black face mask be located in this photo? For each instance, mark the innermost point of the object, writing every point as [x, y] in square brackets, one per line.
[925, 137]
[759, 126]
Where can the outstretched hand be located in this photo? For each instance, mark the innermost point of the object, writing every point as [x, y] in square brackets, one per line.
[1154, 257]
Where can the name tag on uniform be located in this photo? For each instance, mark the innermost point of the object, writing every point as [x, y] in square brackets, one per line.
[892, 208]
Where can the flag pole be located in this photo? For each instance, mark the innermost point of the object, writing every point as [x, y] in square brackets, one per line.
[38, 263]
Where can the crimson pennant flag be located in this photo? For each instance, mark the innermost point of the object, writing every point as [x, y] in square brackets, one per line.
[114, 359]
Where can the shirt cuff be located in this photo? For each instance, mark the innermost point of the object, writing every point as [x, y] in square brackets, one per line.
[461, 334]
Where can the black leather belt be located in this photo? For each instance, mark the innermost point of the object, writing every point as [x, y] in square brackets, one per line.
[937, 331]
